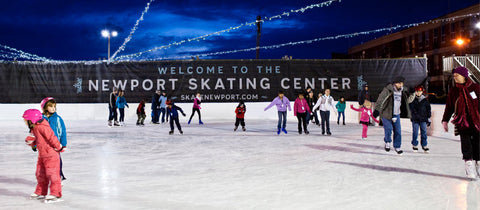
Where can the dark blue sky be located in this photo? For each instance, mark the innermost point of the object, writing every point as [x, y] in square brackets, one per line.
[70, 30]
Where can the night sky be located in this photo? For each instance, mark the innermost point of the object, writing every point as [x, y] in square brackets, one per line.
[70, 30]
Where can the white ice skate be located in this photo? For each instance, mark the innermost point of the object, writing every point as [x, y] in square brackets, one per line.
[52, 199]
[478, 169]
[471, 170]
[387, 146]
[34, 196]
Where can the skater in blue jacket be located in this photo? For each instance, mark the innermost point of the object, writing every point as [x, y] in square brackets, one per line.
[172, 111]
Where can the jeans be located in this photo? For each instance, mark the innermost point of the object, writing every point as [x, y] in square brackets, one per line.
[388, 127]
[112, 115]
[343, 114]
[172, 120]
[282, 120]
[163, 112]
[325, 115]
[155, 115]
[423, 133]
[302, 120]
[122, 114]
[312, 117]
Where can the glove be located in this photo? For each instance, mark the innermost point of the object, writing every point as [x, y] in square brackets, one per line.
[376, 113]
[34, 148]
[429, 122]
[29, 140]
[445, 126]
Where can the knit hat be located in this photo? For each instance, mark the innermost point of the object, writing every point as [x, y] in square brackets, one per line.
[462, 71]
[419, 88]
[399, 79]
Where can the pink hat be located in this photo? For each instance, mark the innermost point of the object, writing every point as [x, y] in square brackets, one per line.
[44, 101]
[33, 115]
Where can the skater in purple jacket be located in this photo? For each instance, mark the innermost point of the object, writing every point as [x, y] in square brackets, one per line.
[282, 104]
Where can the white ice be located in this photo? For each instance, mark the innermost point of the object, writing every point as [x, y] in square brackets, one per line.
[212, 167]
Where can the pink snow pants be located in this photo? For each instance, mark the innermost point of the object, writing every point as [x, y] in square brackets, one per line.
[48, 173]
[364, 130]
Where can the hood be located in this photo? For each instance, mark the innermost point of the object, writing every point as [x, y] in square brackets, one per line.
[420, 98]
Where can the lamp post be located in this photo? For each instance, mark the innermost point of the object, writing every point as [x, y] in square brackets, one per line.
[107, 34]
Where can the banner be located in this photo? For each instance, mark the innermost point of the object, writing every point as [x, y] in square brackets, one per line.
[216, 80]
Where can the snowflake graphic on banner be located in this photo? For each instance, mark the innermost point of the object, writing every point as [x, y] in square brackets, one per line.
[78, 85]
[360, 82]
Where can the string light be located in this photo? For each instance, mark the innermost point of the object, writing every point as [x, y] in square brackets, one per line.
[203, 37]
[350, 35]
[16, 53]
[135, 27]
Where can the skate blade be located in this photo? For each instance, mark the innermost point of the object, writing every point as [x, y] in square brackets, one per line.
[53, 201]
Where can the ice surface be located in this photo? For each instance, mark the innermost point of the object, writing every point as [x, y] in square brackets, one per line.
[212, 167]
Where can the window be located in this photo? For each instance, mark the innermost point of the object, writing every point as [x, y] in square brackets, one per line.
[462, 28]
[419, 38]
[427, 39]
[452, 31]
[436, 44]
[442, 32]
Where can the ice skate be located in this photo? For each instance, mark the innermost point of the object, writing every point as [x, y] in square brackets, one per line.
[338, 123]
[110, 123]
[299, 132]
[181, 132]
[364, 139]
[34, 196]
[426, 149]
[278, 132]
[116, 123]
[415, 149]
[285, 131]
[243, 128]
[470, 170]
[189, 121]
[235, 129]
[170, 132]
[387, 146]
[306, 132]
[343, 123]
[200, 122]
[329, 134]
[52, 199]
[399, 151]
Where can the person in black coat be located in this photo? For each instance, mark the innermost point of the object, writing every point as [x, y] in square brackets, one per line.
[420, 116]
[156, 107]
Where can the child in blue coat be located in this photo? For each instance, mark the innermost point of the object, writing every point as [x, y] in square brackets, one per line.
[121, 104]
[172, 111]
[49, 109]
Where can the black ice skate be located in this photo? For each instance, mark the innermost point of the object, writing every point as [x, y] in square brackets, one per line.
[235, 129]
[243, 128]
[170, 132]
[181, 132]
[399, 151]
[415, 149]
[426, 150]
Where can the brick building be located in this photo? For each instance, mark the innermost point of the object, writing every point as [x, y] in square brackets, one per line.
[435, 39]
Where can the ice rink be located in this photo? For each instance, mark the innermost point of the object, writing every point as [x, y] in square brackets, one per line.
[212, 167]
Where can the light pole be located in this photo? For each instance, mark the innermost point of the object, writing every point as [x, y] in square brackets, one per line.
[107, 34]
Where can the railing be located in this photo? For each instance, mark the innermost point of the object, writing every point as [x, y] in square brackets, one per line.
[471, 62]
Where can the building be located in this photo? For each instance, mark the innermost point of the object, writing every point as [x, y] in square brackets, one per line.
[436, 39]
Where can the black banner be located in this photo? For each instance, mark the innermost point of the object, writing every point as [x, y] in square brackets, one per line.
[216, 80]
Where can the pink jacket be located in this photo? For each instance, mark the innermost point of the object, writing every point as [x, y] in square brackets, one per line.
[45, 140]
[366, 114]
[300, 106]
[196, 103]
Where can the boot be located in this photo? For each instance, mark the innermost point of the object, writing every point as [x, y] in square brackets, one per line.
[470, 169]
[235, 129]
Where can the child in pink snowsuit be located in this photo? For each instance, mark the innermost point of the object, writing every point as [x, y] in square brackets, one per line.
[366, 113]
[48, 164]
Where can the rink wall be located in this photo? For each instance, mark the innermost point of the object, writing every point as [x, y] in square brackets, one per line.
[210, 112]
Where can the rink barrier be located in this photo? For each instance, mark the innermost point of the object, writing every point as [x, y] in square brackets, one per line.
[211, 112]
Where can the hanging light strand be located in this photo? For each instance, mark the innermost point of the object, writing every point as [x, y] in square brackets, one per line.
[16, 53]
[135, 27]
[203, 37]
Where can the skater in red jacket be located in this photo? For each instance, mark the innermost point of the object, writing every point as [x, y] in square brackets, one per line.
[48, 165]
[240, 116]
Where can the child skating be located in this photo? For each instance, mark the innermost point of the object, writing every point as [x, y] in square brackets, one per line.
[325, 103]
[49, 108]
[196, 108]
[282, 103]
[341, 105]
[172, 110]
[300, 110]
[141, 113]
[48, 164]
[420, 116]
[240, 116]
[121, 104]
[366, 114]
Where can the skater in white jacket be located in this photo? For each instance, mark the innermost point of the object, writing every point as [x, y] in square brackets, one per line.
[326, 103]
